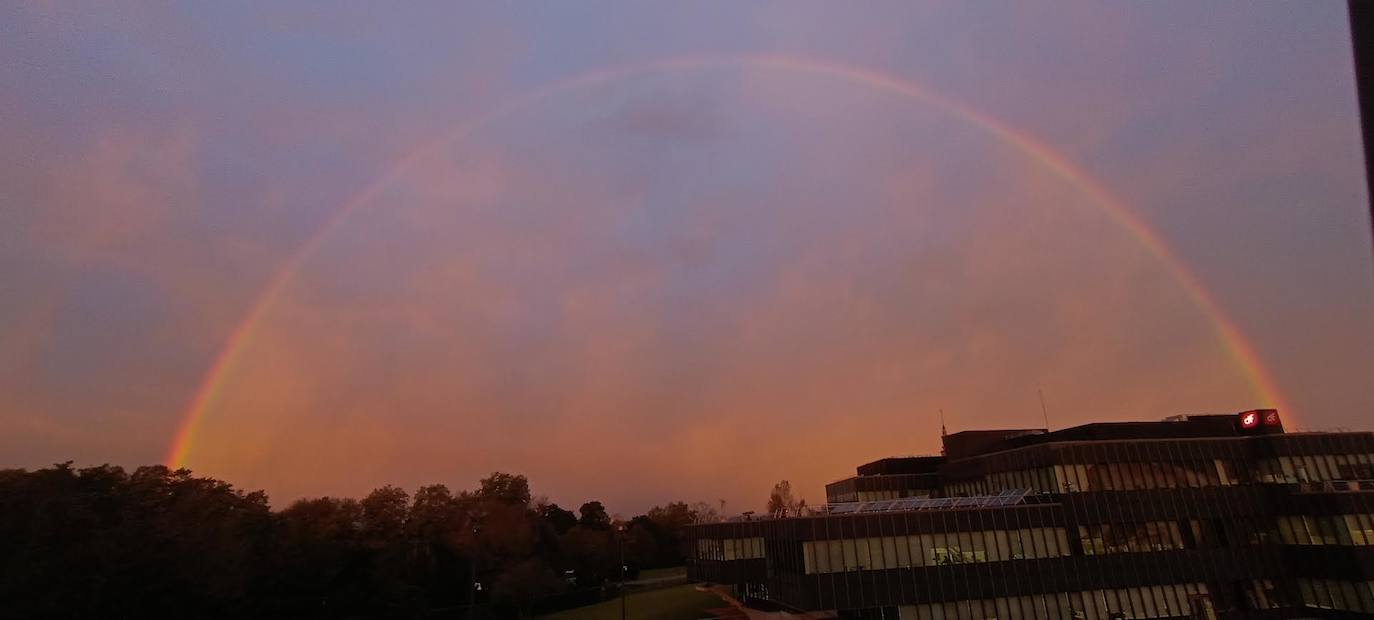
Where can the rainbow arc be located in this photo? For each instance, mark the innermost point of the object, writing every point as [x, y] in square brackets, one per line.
[1242, 352]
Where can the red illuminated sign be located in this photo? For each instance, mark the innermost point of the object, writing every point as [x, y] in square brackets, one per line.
[1258, 417]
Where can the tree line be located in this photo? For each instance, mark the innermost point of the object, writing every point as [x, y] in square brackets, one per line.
[103, 542]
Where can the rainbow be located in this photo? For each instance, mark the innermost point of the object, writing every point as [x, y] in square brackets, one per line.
[1237, 346]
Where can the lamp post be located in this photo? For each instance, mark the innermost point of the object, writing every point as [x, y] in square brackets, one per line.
[621, 529]
[476, 522]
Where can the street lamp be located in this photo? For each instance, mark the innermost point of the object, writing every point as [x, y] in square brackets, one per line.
[621, 529]
[476, 523]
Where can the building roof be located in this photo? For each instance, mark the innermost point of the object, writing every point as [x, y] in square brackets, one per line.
[966, 444]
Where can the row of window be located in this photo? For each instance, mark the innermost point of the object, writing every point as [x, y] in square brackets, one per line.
[1163, 601]
[833, 556]
[873, 496]
[1357, 529]
[1149, 475]
[1039, 480]
[1332, 594]
[997, 545]
[1316, 468]
[1130, 537]
[1170, 475]
[729, 548]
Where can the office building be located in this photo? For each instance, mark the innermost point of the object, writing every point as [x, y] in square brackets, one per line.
[1211, 516]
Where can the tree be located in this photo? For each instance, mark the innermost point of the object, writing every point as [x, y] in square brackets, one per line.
[594, 516]
[526, 582]
[384, 514]
[590, 553]
[433, 512]
[669, 525]
[559, 519]
[780, 501]
[509, 488]
[703, 512]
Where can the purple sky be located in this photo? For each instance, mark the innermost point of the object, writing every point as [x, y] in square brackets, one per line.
[685, 283]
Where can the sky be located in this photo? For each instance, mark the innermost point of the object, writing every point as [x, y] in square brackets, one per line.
[648, 252]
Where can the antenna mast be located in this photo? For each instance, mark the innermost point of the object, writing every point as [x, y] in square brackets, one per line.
[1043, 411]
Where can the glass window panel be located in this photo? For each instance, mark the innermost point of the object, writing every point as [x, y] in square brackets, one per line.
[1365, 590]
[1135, 606]
[851, 558]
[935, 551]
[1015, 550]
[1140, 475]
[1078, 607]
[861, 556]
[1147, 601]
[1051, 542]
[1220, 472]
[1177, 599]
[1113, 600]
[1349, 598]
[916, 550]
[965, 551]
[1288, 468]
[1334, 598]
[1308, 472]
[1003, 549]
[1333, 465]
[901, 549]
[1051, 603]
[1323, 595]
[876, 558]
[1162, 602]
[1164, 476]
[1100, 603]
[1309, 597]
[1013, 608]
[1038, 540]
[836, 555]
[979, 546]
[1286, 534]
[1315, 529]
[1339, 530]
[1323, 471]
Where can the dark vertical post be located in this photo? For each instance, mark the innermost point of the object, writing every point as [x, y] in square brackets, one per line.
[1362, 40]
[472, 565]
[621, 528]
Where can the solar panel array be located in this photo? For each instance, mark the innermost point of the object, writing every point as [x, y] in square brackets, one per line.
[1008, 497]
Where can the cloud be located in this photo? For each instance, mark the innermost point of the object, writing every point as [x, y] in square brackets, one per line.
[523, 301]
[683, 285]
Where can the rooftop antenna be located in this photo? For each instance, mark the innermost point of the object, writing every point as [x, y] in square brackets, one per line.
[1044, 411]
[943, 433]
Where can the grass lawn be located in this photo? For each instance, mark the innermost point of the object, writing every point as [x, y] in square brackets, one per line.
[658, 573]
[677, 603]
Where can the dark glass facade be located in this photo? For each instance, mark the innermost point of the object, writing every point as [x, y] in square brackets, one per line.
[1203, 517]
